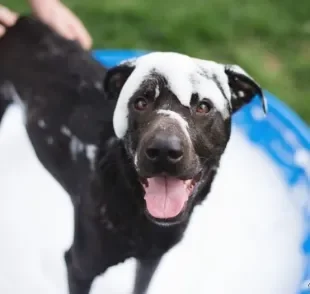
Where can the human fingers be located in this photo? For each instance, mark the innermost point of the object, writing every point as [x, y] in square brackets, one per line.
[76, 27]
[7, 17]
[2, 30]
[81, 35]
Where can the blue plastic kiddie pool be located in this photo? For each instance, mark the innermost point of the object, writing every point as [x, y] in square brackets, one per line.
[285, 139]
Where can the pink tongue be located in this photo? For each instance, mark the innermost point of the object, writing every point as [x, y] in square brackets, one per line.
[165, 197]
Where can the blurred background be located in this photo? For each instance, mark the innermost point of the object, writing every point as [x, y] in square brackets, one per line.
[269, 38]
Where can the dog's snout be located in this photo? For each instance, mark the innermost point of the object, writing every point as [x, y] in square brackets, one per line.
[164, 147]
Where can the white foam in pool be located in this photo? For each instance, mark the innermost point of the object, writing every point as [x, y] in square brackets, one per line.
[244, 239]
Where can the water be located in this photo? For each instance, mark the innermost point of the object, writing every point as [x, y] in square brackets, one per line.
[244, 239]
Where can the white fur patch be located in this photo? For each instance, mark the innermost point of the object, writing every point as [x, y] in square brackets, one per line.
[91, 151]
[157, 92]
[65, 131]
[185, 76]
[241, 94]
[41, 124]
[136, 160]
[76, 147]
[176, 116]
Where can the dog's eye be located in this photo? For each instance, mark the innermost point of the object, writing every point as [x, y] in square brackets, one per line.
[140, 104]
[203, 107]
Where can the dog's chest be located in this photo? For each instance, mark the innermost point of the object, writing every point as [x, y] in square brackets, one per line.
[140, 238]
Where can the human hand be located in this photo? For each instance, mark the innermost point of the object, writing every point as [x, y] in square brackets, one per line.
[7, 19]
[62, 20]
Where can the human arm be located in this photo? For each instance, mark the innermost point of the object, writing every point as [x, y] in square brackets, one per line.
[61, 19]
[56, 15]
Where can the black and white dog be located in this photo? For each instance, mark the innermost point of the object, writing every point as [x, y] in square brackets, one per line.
[136, 146]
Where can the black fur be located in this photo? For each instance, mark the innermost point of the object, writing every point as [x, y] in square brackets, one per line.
[56, 80]
[69, 102]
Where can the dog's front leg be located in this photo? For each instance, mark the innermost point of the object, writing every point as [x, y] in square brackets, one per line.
[85, 260]
[144, 273]
[78, 283]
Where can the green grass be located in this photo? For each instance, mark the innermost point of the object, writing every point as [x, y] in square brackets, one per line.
[269, 38]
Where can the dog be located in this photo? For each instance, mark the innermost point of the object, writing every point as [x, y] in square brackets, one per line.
[136, 146]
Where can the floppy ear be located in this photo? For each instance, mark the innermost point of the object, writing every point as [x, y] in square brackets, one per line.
[115, 79]
[243, 88]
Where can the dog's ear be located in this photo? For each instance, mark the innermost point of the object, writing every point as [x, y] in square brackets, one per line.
[243, 88]
[115, 79]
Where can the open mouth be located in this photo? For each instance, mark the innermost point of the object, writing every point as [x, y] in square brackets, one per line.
[167, 197]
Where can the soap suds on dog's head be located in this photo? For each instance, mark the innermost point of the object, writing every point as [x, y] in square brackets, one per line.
[184, 75]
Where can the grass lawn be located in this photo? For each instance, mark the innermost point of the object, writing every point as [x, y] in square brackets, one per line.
[269, 38]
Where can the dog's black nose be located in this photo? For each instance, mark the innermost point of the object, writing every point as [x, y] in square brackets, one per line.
[164, 147]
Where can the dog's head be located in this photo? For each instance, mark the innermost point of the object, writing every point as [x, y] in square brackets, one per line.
[173, 114]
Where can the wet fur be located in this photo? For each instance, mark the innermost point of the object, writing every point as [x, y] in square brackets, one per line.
[62, 85]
